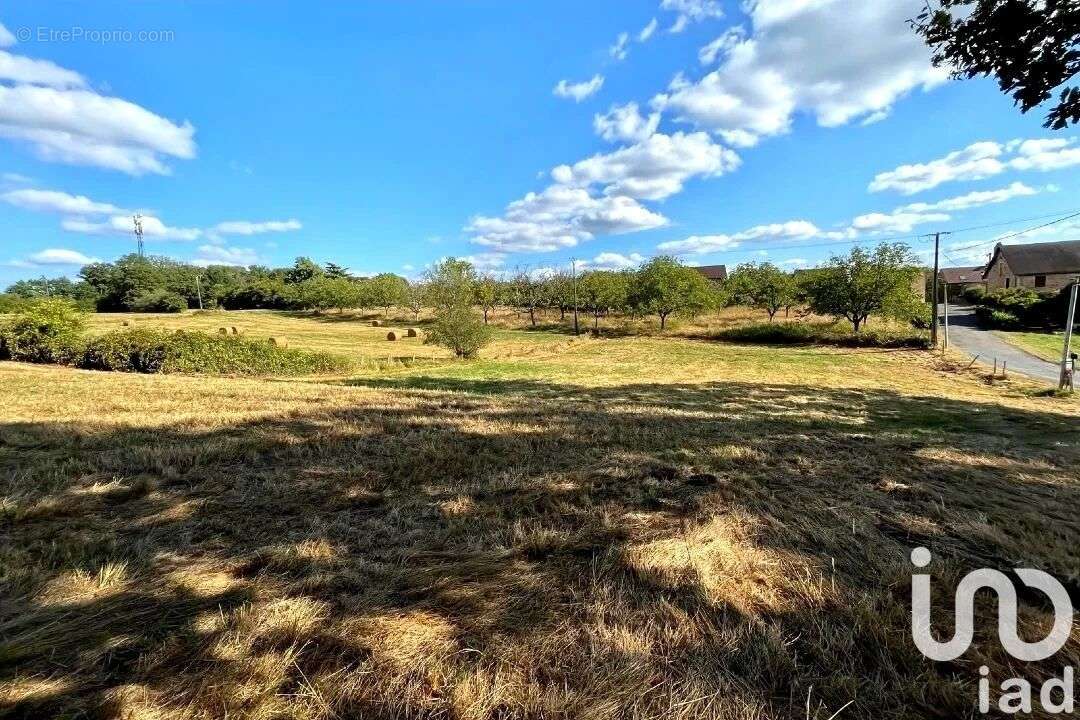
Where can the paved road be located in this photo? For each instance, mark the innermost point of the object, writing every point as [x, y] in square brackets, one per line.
[966, 335]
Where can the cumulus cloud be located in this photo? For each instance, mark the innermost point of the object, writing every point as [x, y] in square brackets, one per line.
[561, 217]
[790, 62]
[625, 122]
[703, 244]
[620, 49]
[979, 161]
[153, 228]
[222, 255]
[647, 31]
[52, 109]
[245, 227]
[486, 261]
[691, 11]
[61, 256]
[652, 169]
[613, 261]
[903, 219]
[578, 91]
[58, 202]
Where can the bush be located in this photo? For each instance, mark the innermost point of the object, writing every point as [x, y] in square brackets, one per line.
[159, 301]
[974, 294]
[998, 319]
[45, 331]
[793, 333]
[459, 329]
[159, 351]
[1018, 308]
[10, 303]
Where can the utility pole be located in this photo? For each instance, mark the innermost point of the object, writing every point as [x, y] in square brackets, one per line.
[945, 292]
[934, 323]
[46, 281]
[137, 221]
[573, 275]
[198, 289]
[1066, 374]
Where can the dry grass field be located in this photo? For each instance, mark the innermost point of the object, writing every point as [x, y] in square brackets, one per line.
[611, 529]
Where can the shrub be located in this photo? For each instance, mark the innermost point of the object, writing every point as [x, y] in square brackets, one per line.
[152, 351]
[45, 331]
[974, 294]
[10, 303]
[999, 319]
[159, 301]
[459, 329]
[793, 333]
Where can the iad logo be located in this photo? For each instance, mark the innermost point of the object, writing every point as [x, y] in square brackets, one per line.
[1017, 692]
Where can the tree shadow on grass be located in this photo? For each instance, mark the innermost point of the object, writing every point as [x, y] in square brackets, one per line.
[525, 547]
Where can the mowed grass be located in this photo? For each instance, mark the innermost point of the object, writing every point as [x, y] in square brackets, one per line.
[604, 528]
[1047, 345]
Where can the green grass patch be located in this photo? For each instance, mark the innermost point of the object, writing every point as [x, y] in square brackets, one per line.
[802, 333]
[1046, 345]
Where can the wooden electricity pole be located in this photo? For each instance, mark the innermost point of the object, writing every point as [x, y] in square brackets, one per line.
[934, 323]
[1066, 374]
[945, 292]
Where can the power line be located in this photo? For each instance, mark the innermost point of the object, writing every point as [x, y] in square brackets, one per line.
[1016, 234]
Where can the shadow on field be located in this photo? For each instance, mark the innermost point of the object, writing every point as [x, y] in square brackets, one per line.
[519, 549]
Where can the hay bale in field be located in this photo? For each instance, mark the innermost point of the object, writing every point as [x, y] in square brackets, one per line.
[279, 342]
[391, 335]
[233, 331]
[126, 323]
[374, 323]
[411, 332]
[223, 331]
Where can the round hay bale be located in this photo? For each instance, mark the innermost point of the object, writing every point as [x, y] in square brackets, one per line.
[234, 331]
[391, 335]
[374, 323]
[126, 323]
[411, 332]
[223, 331]
[279, 342]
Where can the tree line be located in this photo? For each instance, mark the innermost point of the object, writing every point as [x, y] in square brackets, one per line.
[851, 286]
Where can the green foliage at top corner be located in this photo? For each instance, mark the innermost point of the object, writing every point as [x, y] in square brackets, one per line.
[45, 330]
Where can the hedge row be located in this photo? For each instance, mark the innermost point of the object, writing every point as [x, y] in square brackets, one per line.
[144, 350]
[795, 333]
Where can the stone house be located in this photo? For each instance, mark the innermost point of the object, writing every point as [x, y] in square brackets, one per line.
[1048, 266]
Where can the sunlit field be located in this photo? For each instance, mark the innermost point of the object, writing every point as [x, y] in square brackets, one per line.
[569, 527]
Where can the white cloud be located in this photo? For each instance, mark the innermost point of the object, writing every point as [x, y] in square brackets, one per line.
[153, 228]
[979, 161]
[619, 50]
[24, 70]
[486, 261]
[691, 11]
[976, 199]
[11, 178]
[795, 262]
[903, 219]
[6, 38]
[653, 169]
[221, 255]
[579, 91]
[625, 122]
[613, 261]
[58, 202]
[722, 45]
[561, 217]
[61, 256]
[899, 220]
[81, 127]
[245, 227]
[703, 244]
[838, 60]
[647, 31]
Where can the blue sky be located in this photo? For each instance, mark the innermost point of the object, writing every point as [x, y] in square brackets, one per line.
[386, 135]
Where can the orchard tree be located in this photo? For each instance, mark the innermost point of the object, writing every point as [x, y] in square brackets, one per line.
[487, 295]
[451, 283]
[528, 293]
[386, 290]
[763, 286]
[1029, 46]
[337, 272]
[665, 286]
[303, 269]
[602, 291]
[855, 285]
[415, 297]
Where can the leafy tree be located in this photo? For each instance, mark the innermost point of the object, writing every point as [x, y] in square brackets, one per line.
[460, 329]
[451, 283]
[46, 330]
[558, 290]
[528, 293]
[303, 269]
[159, 301]
[1030, 46]
[386, 290]
[487, 295]
[415, 297]
[763, 286]
[855, 285]
[337, 272]
[602, 291]
[665, 286]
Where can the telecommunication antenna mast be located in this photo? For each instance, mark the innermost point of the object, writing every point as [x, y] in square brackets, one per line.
[137, 220]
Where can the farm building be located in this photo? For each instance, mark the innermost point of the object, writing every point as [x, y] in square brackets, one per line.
[1049, 265]
[716, 273]
[958, 279]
